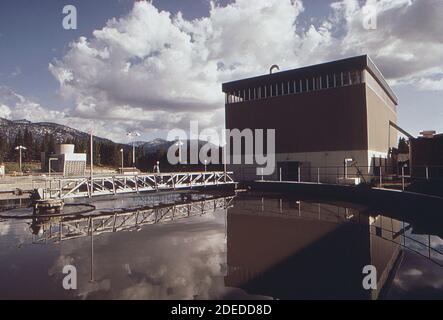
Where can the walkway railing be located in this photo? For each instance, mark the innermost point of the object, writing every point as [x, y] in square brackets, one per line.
[62, 188]
[400, 233]
[379, 176]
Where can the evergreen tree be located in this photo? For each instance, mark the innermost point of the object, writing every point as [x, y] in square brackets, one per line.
[97, 156]
[28, 143]
[3, 148]
[403, 146]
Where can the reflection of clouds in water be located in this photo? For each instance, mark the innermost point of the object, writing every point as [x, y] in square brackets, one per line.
[15, 232]
[420, 243]
[413, 272]
[128, 268]
[436, 242]
[185, 268]
[59, 264]
[416, 274]
[171, 261]
[95, 289]
[4, 228]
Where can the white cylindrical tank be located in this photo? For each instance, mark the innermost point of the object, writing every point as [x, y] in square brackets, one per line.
[64, 149]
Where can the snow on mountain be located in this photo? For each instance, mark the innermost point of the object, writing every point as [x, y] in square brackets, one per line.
[10, 128]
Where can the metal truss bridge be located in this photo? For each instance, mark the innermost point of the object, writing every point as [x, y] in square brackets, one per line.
[100, 185]
[57, 229]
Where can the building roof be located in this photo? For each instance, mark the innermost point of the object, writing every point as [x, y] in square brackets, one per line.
[348, 64]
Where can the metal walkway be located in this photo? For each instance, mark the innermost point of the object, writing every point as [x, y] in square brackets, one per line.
[78, 187]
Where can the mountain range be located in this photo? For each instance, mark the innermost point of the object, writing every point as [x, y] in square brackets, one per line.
[10, 129]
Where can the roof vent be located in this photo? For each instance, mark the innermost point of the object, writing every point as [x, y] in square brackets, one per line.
[428, 133]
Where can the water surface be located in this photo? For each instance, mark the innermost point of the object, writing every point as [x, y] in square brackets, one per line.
[196, 246]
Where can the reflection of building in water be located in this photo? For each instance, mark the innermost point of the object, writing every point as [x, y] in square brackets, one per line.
[307, 250]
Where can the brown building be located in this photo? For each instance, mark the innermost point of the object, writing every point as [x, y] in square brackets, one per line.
[322, 114]
[427, 152]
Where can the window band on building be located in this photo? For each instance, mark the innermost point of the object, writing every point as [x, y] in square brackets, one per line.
[297, 86]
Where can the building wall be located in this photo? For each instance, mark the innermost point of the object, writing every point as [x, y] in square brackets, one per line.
[73, 164]
[332, 119]
[69, 164]
[427, 152]
[380, 110]
[329, 165]
[321, 128]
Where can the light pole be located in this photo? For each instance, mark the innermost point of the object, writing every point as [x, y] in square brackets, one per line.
[132, 135]
[20, 148]
[179, 145]
[91, 146]
[206, 162]
[346, 167]
[91, 174]
[121, 151]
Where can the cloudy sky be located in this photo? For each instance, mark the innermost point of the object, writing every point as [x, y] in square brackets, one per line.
[155, 66]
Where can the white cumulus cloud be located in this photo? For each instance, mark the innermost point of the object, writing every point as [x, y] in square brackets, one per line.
[153, 71]
[14, 106]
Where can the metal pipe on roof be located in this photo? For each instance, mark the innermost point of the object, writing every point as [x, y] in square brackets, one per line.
[274, 66]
